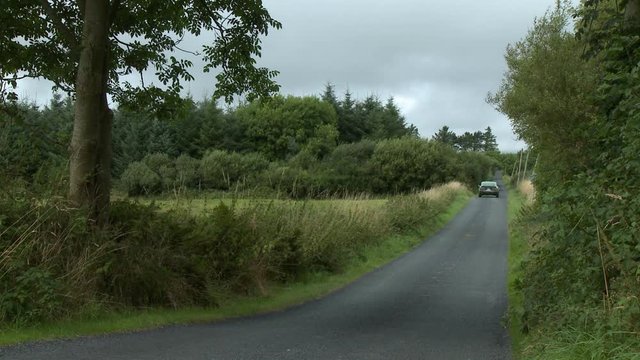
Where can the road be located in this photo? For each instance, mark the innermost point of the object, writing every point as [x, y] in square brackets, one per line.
[444, 300]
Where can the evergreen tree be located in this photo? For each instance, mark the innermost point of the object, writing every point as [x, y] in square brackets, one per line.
[445, 136]
[489, 141]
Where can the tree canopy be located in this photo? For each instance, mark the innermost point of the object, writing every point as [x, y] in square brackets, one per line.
[43, 39]
[86, 47]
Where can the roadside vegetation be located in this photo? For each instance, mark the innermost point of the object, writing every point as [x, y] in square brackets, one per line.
[571, 92]
[228, 260]
[205, 230]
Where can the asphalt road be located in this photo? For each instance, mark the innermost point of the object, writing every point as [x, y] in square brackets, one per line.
[445, 300]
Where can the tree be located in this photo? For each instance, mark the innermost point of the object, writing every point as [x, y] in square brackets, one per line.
[445, 136]
[84, 47]
[350, 125]
[329, 95]
[282, 126]
[546, 95]
[489, 143]
[470, 141]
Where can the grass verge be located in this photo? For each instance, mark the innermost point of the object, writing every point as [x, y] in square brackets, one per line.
[517, 251]
[281, 297]
[549, 340]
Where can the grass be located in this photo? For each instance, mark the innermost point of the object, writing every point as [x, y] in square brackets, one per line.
[201, 205]
[280, 297]
[517, 251]
[548, 340]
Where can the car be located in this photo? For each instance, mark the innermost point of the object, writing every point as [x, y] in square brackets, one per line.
[489, 188]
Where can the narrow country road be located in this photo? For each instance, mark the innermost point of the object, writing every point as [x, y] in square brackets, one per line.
[444, 300]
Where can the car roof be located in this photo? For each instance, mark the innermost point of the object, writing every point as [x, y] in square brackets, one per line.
[489, 183]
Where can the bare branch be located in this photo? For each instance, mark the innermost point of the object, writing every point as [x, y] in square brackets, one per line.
[128, 45]
[25, 76]
[186, 51]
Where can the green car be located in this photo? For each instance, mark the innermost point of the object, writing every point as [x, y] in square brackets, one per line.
[489, 188]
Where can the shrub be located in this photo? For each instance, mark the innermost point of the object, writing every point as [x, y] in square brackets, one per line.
[147, 262]
[139, 179]
[164, 167]
[187, 172]
[348, 168]
[293, 182]
[411, 164]
[44, 258]
[28, 294]
[475, 167]
[220, 169]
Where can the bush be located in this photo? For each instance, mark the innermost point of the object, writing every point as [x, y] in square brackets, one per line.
[187, 172]
[348, 168]
[39, 243]
[220, 169]
[411, 164]
[139, 179]
[293, 182]
[475, 167]
[164, 167]
[148, 262]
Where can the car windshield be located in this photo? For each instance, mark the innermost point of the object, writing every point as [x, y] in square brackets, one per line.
[489, 184]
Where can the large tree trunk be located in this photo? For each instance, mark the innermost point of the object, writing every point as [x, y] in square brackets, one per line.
[90, 158]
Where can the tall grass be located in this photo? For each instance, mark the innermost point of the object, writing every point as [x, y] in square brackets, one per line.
[53, 266]
[527, 190]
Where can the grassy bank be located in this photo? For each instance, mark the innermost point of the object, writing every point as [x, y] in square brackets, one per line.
[268, 293]
[595, 338]
[517, 251]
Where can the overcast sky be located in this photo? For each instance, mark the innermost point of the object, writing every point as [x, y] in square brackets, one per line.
[438, 59]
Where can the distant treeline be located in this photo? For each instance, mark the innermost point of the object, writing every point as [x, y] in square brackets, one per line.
[299, 146]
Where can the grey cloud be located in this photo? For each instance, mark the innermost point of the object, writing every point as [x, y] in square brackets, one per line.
[437, 58]
[441, 57]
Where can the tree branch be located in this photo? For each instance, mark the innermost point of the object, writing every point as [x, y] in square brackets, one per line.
[66, 33]
[219, 26]
[183, 50]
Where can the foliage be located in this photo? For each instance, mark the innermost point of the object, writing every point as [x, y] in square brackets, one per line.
[223, 170]
[476, 141]
[148, 258]
[54, 32]
[187, 172]
[280, 127]
[139, 179]
[367, 119]
[402, 165]
[574, 100]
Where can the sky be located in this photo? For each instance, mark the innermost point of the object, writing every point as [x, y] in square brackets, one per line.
[437, 59]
